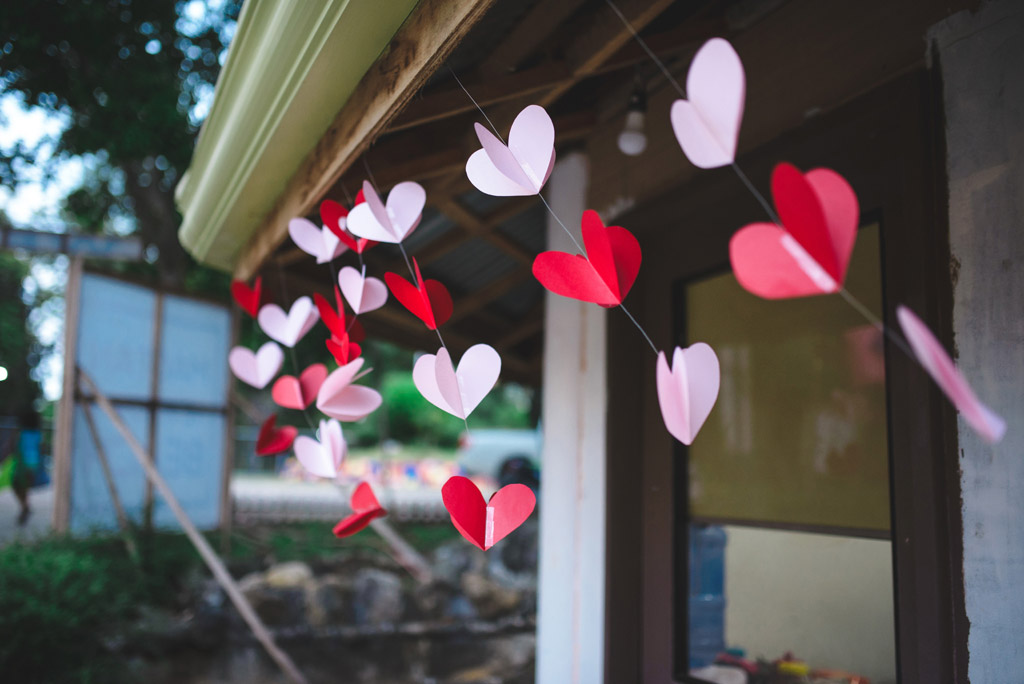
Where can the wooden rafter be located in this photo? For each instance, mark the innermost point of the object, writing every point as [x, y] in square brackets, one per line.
[425, 40]
[480, 298]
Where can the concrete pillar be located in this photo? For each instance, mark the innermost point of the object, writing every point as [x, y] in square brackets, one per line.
[570, 615]
[982, 61]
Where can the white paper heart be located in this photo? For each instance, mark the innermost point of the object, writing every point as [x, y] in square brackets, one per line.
[523, 166]
[457, 392]
[362, 294]
[288, 328]
[256, 368]
[322, 458]
[392, 222]
[318, 242]
[688, 391]
[707, 125]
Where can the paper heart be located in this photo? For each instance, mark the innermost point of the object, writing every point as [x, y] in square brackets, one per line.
[485, 524]
[362, 294]
[298, 393]
[460, 391]
[248, 299]
[273, 440]
[604, 276]
[428, 300]
[335, 217]
[322, 458]
[688, 391]
[810, 252]
[343, 350]
[288, 328]
[365, 508]
[987, 423]
[393, 222]
[524, 165]
[256, 368]
[707, 125]
[340, 399]
[318, 242]
[336, 321]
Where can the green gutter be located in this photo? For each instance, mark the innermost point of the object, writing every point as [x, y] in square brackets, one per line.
[292, 65]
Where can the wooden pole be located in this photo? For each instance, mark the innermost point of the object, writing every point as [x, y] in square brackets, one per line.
[122, 519]
[66, 407]
[403, 552]
[211, 558]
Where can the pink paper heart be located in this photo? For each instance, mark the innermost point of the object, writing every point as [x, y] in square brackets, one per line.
[707, 125]
[988, 424]
[393, 222]
[362, 294]
[259, 368]
[288, 328]
[322, 457]
[340, 399]
[321, 243]
[460, 391]
[298, 393]
[688, 391]
[524, 165]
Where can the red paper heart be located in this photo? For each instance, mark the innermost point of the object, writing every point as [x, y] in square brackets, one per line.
[485, 524]
[429, 302]
[331, 213]
[343, 350]
[298, 393]
[273, 440]
[810, 252]
[337, 322]
[365, 508]
[247, 298]
[604, 276]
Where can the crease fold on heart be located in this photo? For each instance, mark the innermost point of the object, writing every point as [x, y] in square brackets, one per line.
[523, 166]
[688, 390]
[485, 523]
[460, 391]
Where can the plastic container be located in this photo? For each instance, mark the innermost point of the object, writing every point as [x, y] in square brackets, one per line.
[707, 594]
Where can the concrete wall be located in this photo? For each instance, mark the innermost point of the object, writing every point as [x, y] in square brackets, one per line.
[982, 61]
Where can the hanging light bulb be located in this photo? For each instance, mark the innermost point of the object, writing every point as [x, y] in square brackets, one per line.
[632, 139]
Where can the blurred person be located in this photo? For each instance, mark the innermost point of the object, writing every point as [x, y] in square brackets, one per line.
[23, 460]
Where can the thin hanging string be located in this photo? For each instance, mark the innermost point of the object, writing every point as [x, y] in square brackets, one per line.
[369, 174]
[291, 349]
[551, 211]
[348, 195]
[847, 296]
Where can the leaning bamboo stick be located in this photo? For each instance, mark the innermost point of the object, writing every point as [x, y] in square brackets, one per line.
[211, 558]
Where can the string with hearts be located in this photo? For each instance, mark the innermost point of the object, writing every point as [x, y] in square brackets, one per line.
[805, 249]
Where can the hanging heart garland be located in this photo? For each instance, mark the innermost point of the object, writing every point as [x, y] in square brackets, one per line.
[392, 222]
[248, 299]
[365, 509]
[687, 391]
[524, 165]
[340, 399]
[298, 393]
[460, 391]
[288, 328]
[428, 300]
[320, 243]
[256, 368]
[273, 440]
[322, 457]
[335, 217]
[485, 523]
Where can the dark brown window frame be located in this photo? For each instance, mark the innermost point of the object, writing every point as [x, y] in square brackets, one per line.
[889, 143]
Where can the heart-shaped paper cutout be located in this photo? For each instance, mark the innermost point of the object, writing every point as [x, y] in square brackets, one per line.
[604, 276]
[335, 217]
[365, 508]
[986, 422]
[248, 299]
[322, 458]
[707, 125]
[273, 440]
[484, 524]
[343, 350]
[336, 321]
[524, 165]
[363, 294]
[298, 393]
[288, 328]
[259, 368]
[391, 223]
[340, 399]
[810, 252]
[687, 392]
[321, 243]
[429, 300]
[460, 391]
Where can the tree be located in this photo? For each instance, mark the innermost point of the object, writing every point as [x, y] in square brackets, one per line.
[19, 350]
[132, 78]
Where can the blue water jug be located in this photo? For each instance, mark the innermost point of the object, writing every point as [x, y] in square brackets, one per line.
[707, 594]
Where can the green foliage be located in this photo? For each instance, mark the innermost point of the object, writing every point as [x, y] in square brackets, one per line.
[19, 351]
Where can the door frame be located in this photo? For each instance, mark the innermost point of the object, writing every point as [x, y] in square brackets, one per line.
[889, 144]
